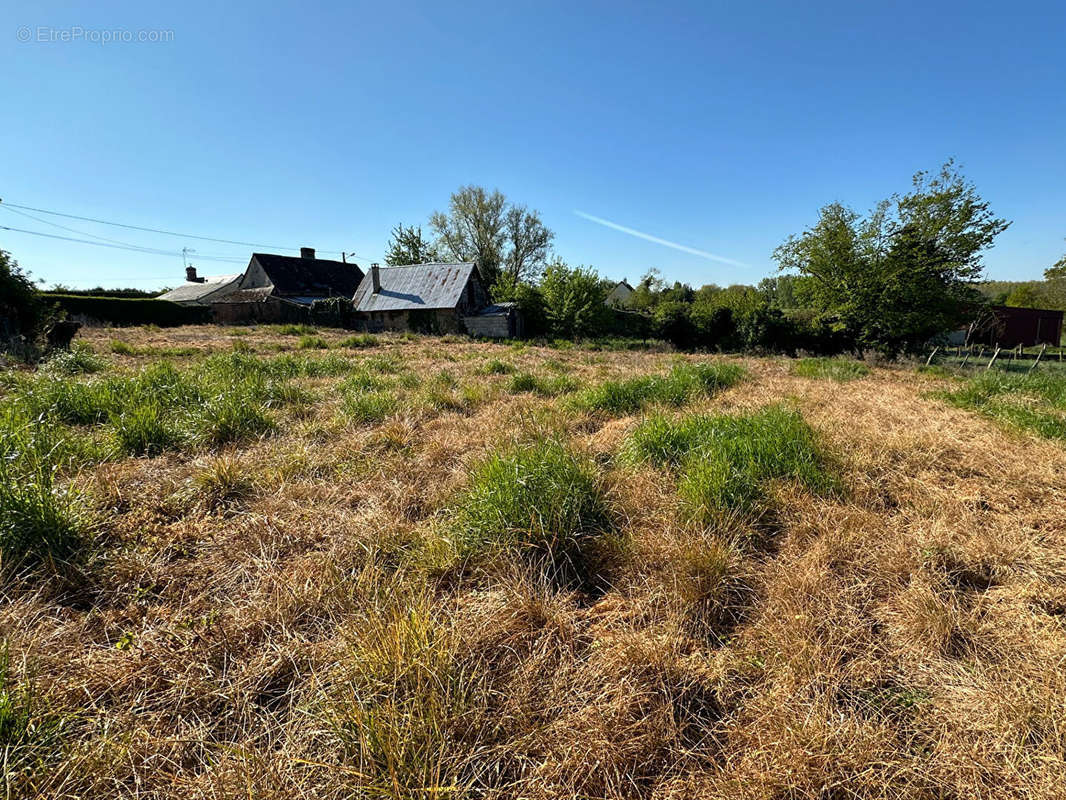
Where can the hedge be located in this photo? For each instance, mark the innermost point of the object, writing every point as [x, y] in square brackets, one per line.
[127, 311]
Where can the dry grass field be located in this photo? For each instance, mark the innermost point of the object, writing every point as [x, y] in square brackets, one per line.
[302, 565]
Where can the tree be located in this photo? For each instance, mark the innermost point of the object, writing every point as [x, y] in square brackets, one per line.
[574, 301]
[528, 241]
[473, 229]
[22, 311]
[407, 246]
[902, 275]
[1023, 296]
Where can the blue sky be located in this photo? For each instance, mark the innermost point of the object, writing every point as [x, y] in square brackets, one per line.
[719, 126]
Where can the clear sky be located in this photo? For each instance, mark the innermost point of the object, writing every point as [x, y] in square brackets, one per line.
[722, 127]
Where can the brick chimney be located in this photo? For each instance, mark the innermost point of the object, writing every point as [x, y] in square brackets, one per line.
[375, 277]
[307, 252]
[191, 277]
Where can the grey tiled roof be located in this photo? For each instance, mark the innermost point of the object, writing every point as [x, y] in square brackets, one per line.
[191, 292]
[415, 286]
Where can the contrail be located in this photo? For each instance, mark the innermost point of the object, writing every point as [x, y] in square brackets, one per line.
[683, 248]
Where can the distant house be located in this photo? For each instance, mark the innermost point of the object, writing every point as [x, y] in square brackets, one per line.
[620, 294]
[277, 288]
[431, 298]
[197, 291]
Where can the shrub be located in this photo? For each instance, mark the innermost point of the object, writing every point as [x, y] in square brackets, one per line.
[837, 369]
[540, 499]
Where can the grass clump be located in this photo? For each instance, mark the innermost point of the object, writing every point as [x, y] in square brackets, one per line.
[31, 734]
[837, 369]
[369, 407]
[1034, 402]
[145, 430]
[495, 366]
[295, 330]
[359, 341]
[724, 462]
[540, 499]
[406, 707]
[121, 348]
[223, 481]
[40, 520]
[78, 360]
[544, 386]
[313, 343]
[682, 384]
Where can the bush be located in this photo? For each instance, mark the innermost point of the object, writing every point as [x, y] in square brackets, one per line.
[22, 310]
[539, 499]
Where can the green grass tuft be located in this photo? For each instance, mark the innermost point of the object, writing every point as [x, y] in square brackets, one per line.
[359, 341]
[1034, 402]
[313, 343]
[837, 369]
[78, 360]
[682, 384]
[724, 462]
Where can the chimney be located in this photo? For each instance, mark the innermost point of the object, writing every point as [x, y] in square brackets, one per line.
[190, 275]
[307, 252]
[375, 277]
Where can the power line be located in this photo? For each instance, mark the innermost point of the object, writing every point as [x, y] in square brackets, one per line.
[133, 248]
[158, 230]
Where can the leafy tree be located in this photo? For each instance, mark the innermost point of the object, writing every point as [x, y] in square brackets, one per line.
[530, 302]
[1023, 297]
[408, 246]
[22, 311]
[574, 301]
[473, 229]
[903, 274]
[646, 293]
[527, 240]
[671, 321]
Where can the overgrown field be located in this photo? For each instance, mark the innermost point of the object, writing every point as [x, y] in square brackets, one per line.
[281, 562]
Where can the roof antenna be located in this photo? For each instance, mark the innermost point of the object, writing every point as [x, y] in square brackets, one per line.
[185, 256]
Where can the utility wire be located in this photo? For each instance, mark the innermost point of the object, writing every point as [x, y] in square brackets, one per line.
[158, 230]
[133, 248]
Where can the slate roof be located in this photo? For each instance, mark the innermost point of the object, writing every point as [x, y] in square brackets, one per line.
[192, 292]
[415, 286]
[296, 276]
[257, 295]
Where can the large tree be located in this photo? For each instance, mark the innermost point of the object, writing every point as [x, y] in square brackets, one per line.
[408, 246]
[901, 275]
[574, 301]
[473, 229]
[527, 240]
[509, 243]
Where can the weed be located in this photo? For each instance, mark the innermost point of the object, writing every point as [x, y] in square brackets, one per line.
[78, 360]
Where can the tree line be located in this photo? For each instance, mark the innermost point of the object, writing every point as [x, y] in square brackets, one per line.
[888, 281]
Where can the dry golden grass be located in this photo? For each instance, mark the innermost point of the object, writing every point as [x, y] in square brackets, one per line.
[269, 620]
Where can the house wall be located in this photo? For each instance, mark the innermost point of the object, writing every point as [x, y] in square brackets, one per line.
[254, 277]
[491, 326]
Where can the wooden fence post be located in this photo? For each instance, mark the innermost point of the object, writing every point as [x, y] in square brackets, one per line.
[929, 360]
[994, 356]
[1038, 357]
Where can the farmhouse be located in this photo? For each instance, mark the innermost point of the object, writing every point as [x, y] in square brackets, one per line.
[277, 288]
[429, 298]
[198, 291]
[620, 294]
